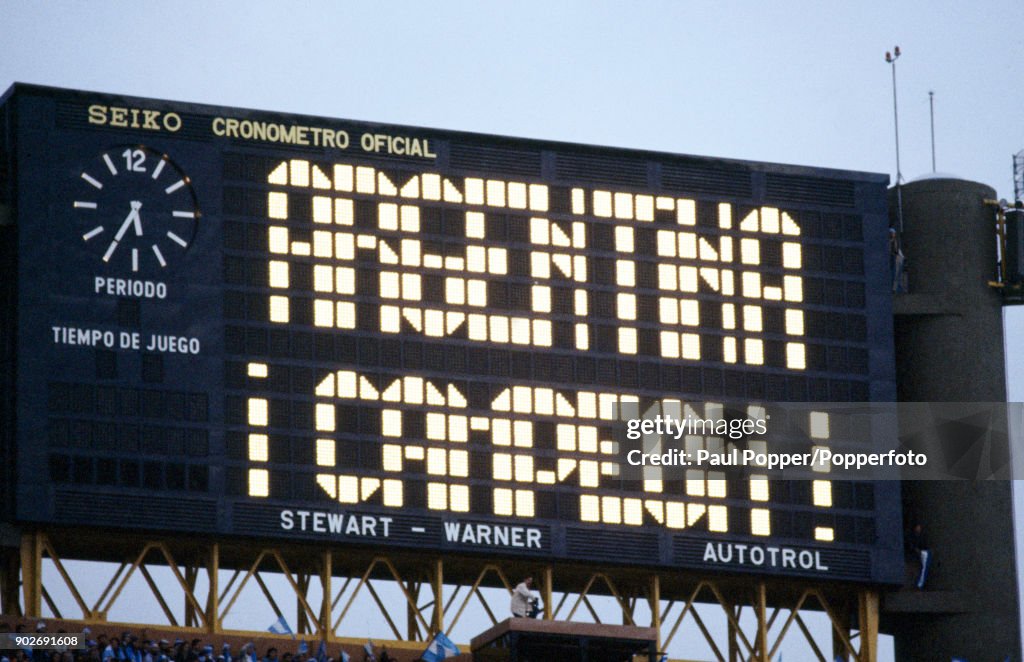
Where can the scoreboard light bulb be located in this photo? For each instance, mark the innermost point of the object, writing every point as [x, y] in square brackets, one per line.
[523, 465]
[689, 312]
[410, 250]
[436, 426]
[795, 356]
[587, 437]
[366, 181]
[589, 473]
[752, 320]
[502, 466]
[474, 191]
[391, 457]
[323, 277]
[323, 313]
[503, 504]
[666, 243]
[431, 186]
[325, 452]
[299, 172]
[458, 464]
[348, 489]
[822, 493]
[751, 285]
[343, 177]
[476, 259]
[759, 488]
[325, 418]
[391, 423]
[626, 306]
[632, 512]
[323, 244]
[625, 273]
[259, 448]
[278, 274]
[760, 522]
[498, 328]
[686, 212]
[258, 370]
[392, 493]
[257, 414]
[750, 251]
[524, 503]
[277, 205]
[565, 437]
[603, 204]
[590, 508]
[611, 510]
[675, 515]
[411, 189]
[277, 239]
[522, 434]
[687, 245]
[645, 208]
[795, 322]
[495, 193]
[824, 533]
[345, 280]
[624, 206]
[475, 225]
[517, 195]
[627, 341]
[718, 519]
[387, 216]
[259, 483]
[410, 215]
[458, 498]
[819, 425]
[437, 461]
[497, 261]
[538, 197]
[689, 346]
[322, 209]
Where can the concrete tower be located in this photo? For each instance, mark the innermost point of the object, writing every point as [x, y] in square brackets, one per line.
[949, 348]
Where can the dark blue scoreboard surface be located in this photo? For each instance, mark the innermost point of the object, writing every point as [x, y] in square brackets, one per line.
[235, 322]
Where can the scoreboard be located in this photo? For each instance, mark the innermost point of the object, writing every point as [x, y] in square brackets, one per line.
[253, 324]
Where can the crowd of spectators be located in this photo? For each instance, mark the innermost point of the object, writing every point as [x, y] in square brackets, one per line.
[129, 647]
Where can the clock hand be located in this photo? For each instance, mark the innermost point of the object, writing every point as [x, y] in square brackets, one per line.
[131, 219]
[136, 206]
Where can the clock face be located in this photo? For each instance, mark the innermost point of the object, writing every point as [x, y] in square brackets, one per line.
[136, 210]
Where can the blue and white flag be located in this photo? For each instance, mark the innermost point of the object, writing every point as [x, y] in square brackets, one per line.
[321, 651]
[440, 648]
[280, 626]
[345, 657]
[303, 647]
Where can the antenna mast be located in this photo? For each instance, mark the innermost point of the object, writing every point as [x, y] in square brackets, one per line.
[931, 110]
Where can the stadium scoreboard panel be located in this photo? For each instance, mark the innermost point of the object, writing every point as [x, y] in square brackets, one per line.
[254, 324]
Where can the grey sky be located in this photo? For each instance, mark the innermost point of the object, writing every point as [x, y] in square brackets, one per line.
[791, 82]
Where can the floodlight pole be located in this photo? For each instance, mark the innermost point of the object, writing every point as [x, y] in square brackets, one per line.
[891, 59]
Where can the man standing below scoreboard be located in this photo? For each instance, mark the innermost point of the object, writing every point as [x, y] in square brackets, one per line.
[524, 605]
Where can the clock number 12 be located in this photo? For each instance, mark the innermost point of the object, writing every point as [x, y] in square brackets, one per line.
[133, 160]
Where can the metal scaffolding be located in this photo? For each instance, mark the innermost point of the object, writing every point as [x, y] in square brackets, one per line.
[760, 612]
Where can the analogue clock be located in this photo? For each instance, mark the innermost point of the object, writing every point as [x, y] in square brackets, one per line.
[136, 209]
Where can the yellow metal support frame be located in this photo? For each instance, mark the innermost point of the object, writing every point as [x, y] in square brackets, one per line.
[341, 588]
